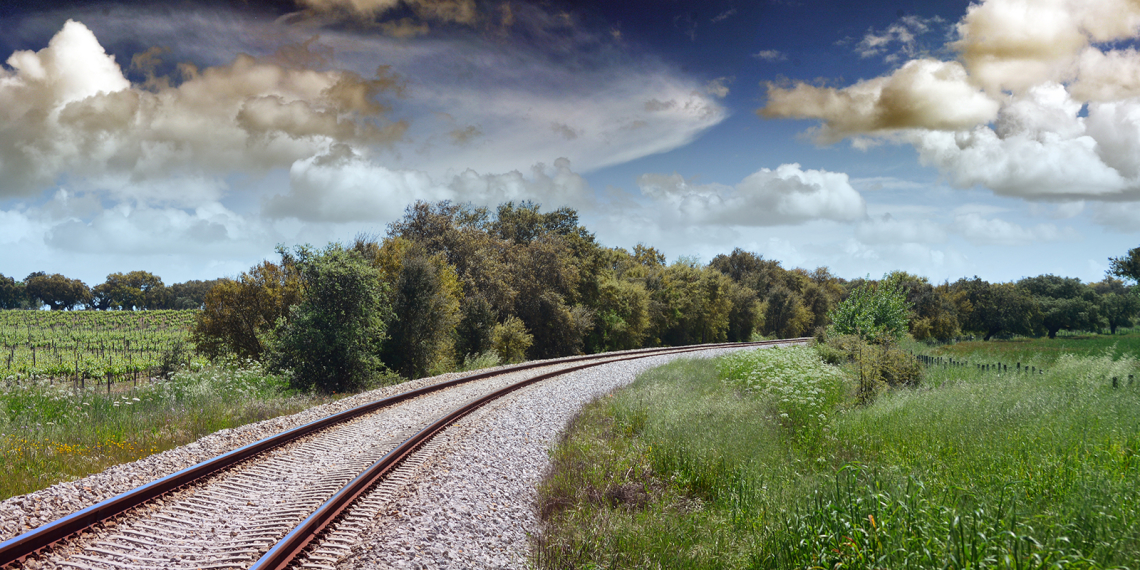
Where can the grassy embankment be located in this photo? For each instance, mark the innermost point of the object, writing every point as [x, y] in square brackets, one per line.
[52, 433]
[762, 461]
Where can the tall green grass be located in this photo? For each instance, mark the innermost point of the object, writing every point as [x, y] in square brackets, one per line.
[696, 466]
[52, 433]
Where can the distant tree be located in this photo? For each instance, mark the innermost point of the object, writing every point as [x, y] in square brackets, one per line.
[1118, 303]
[240, 314]
[331, 341]
[622, 315]
[56, 291]
[12, 294]
[751, 270]
[785, 315]
[746, 315]
[136, 290]
[993, 309]
[1064, 302]
[188, 295]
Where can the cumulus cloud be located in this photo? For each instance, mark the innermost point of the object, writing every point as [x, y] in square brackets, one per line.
[1040, 103]
[1017, 44]
[787, 195]
[980, 230]
[1041, 148]
[924, 93]
[68, 110]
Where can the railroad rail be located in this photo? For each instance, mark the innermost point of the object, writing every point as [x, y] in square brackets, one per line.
[332, 501]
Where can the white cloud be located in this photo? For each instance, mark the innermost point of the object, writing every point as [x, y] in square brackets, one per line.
[1120, 216]
[787, 195]
[979, 230]
[770, 55]
[1041, 148]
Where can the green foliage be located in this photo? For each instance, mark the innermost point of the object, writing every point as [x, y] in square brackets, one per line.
[56, 291]
[1126, 266]
[511, 340]
[332, 339]
[1063, 302]
[240, 315]
[874, 312]
[425, 308]
[473, 333]
[995, 309]
[12, 294]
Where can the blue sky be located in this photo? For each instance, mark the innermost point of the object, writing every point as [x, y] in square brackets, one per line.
[948, 139]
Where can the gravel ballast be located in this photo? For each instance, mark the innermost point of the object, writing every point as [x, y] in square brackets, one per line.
[472, 505]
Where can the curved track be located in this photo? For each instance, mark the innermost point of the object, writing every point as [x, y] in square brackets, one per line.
[259, 506]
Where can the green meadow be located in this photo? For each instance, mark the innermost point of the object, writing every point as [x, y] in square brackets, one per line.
[764, 460]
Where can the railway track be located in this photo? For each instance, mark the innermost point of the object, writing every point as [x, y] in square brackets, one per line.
[260, 506]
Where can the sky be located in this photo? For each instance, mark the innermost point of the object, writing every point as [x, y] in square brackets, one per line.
[949, 139]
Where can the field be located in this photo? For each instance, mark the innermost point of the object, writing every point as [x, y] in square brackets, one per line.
[764, 462]
[91, 346]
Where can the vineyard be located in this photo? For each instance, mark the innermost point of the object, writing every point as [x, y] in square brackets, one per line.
[91, 346]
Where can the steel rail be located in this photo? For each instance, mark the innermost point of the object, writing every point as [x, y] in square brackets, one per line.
[23, 545]
[281, 555]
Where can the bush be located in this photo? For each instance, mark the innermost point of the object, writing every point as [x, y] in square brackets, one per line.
[876, 365]
[875, 312]
[511, 340]
[333, 338]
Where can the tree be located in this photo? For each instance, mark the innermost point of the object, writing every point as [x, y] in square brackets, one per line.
[1126, 266]
[332, 339]
[876, 312]
[425, 303]
[993, 309]
[56, 291]
[136, 290]
[188, 295]
[239, 314]
[622, 310]
[473, 333]
[12, 294]
[1064, 303]
[785, 315]
[1118, 304]
[746, 314]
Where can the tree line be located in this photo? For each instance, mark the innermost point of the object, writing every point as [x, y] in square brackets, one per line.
[136, 290]
[449, 283]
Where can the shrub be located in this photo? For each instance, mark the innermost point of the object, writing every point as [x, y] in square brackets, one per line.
[333, 338]
[511, 340]
[875, 312]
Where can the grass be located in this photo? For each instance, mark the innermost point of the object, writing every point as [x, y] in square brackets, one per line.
[52, 433]
[718, 465]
